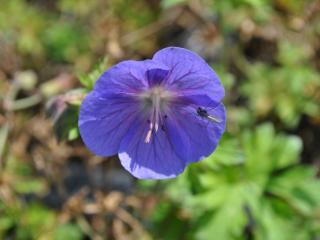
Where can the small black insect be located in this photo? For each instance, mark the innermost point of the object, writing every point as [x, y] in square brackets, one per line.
[204, 114]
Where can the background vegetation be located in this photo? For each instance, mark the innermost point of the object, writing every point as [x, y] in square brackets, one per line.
[262, 182]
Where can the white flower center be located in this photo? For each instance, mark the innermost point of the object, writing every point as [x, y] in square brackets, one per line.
[155, 101]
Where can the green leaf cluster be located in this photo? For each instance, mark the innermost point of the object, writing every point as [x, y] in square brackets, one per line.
[287, 91]
[252, 185]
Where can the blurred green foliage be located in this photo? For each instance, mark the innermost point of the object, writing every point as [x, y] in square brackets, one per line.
[37, 32]
[255, 182]
[88, 80]
[30, 220]
[286, 90]
[64, 41]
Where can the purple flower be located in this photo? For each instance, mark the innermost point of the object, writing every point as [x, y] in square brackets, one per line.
[158, 115]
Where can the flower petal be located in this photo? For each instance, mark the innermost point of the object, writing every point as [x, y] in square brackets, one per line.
[156, 75]
[126, 78]
[196, 100]
[104, 121]
[153, 160]
[192, 136]
[190, 74]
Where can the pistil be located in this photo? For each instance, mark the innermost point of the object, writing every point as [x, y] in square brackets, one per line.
[154, 121]
[155, 100]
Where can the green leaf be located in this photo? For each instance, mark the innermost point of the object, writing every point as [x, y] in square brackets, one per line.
[290, 98]
[73, 133]
[18, 167]
[6, 222]
[68, 231]
[65, 40]
[288, 151]
[166, 216]
[296, 186]
[233, 212]
[270, 226]
[25, 186]
[37, 220]
[67, 121]
[90, 79]
[228, 152]
[258, 167]
[265, 151]
[258, 147]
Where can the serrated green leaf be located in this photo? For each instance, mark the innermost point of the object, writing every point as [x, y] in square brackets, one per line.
[90, 79]
[233, 211]
[228, 152]
[271, 226]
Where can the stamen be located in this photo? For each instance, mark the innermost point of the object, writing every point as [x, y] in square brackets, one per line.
[154, 123]
[214, 119]
[154, 100]
[148, 137]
